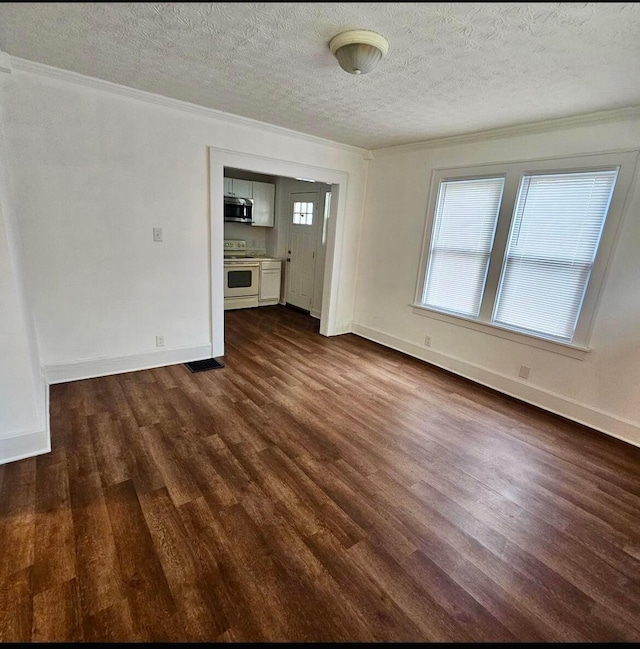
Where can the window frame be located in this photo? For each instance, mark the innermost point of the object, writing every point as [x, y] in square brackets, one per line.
[513, 172]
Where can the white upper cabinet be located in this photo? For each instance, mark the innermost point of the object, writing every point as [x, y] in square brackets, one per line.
[263, 204]
[238, 188]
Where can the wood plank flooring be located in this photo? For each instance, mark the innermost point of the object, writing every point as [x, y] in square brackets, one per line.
[316, 489]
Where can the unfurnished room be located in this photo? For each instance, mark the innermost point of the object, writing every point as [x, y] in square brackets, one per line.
[319, 322]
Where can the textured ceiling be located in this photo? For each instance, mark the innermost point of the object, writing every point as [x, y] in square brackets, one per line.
[452, 67]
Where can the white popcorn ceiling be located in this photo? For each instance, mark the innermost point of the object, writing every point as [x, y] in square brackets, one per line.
[452, 67]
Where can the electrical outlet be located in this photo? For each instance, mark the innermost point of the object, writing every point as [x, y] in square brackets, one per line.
[427, 341]
[524, 372]
[157, 234]
[159, 341]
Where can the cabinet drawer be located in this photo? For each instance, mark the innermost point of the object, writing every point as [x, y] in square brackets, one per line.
[270, 265]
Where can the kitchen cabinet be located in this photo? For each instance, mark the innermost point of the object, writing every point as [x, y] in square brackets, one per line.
[270, 274]
[263, 204]
[238, 188]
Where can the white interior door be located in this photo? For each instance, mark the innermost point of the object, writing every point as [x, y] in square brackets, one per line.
[301, 255]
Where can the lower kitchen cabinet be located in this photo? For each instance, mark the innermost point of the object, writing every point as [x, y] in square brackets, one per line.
[270, 274]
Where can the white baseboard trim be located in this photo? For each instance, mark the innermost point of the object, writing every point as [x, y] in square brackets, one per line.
[19, 446]
[623, 429]
[315, 314]
[93, 368]
[24, 446]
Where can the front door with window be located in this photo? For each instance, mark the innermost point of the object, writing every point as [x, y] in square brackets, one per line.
[301, 253]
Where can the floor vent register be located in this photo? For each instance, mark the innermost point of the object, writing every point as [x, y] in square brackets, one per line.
[204, 365]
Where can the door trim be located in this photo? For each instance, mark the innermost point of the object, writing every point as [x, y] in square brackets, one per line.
[220, 158]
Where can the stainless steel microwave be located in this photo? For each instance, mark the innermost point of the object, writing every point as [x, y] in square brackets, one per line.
[238, 210]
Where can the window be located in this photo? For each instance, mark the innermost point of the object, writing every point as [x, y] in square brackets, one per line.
[327, 214]
[302, 213]
[522, 247]
[554, 237]
[465, 220]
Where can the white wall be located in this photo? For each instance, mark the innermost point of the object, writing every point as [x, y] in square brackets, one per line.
[23, 395]
[602, 389]
[94, 168]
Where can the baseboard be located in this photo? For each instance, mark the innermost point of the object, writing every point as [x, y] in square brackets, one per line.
[581, 413]
[89, 369]
[24, 446]
[315, 314]
[19, 446]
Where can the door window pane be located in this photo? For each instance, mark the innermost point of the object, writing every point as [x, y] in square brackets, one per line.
[302, 213]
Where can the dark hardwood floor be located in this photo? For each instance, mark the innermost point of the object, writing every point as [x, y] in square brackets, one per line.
[316, 489]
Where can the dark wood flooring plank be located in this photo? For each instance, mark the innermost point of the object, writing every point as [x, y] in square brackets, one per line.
[217, 570]
[310, 584]
[378, 527]
[55, 553]
[160, 439]
[109, 447]
[386, 620]
[330, 515]
[144, 582]
[254, 582]
[142, 468]
[421, 608]
[112, 624]
[56, 614]
[203, 618]
[147, 402]
[17, 516]
[16, 606]
[99, 582]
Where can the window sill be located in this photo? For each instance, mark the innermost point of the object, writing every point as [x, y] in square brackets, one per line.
[565, 349]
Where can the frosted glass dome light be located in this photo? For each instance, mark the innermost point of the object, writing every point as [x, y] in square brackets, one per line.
[358, 51]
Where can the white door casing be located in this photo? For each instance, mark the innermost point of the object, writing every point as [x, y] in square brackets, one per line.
[221, 158]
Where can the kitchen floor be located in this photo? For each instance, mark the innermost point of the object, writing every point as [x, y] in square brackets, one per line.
[316, 489]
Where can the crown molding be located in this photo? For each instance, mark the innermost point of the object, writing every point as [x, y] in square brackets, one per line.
[9, 64]
[32, 67]
[612, 115]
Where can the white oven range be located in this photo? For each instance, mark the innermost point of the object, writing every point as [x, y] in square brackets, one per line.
[241, 276]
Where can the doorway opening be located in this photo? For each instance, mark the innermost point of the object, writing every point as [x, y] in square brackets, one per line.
[295, 231]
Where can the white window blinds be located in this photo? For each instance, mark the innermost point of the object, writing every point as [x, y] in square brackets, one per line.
[554, 237]
[463, 229]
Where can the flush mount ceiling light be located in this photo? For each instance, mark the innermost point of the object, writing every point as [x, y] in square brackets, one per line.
[358, 51]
